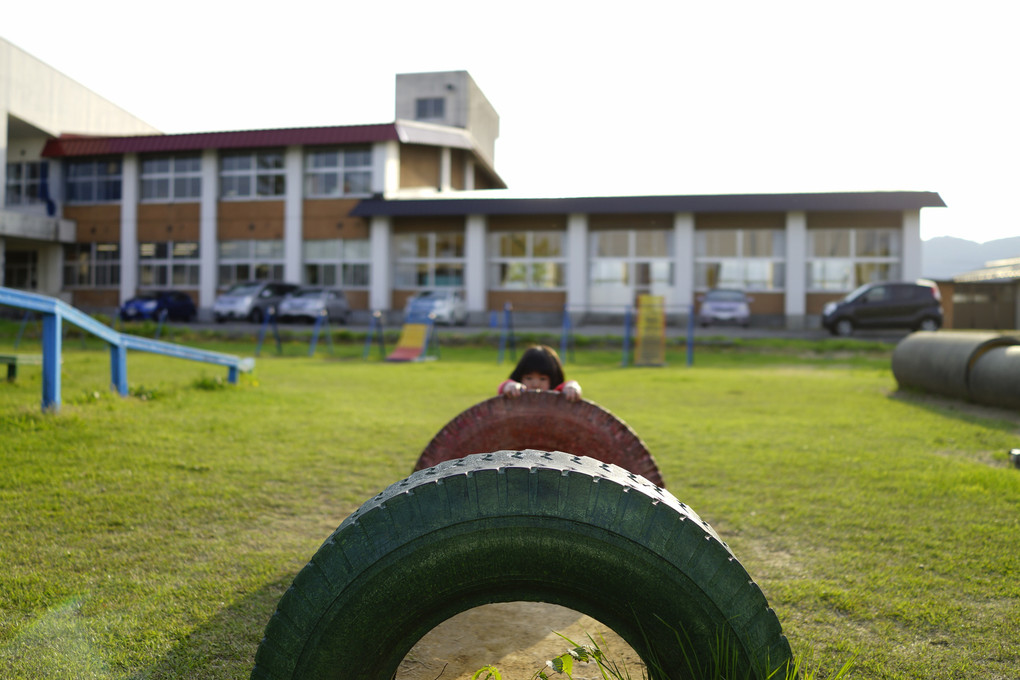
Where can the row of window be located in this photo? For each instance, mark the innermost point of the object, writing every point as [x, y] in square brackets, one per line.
[25, 183]
[328, 173]
[623, 263]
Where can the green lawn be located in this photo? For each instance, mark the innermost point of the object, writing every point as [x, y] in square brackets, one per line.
[151, 536]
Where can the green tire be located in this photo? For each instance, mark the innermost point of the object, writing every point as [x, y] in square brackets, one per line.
[521, 525]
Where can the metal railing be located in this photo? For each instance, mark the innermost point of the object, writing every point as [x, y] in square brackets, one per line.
[54, 312]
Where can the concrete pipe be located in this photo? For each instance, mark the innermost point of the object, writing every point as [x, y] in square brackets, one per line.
[943, 362]
[995, 379]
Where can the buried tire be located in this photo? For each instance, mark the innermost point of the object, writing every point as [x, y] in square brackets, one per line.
[520, 525]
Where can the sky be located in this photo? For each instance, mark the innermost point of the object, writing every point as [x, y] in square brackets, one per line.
[635, 98]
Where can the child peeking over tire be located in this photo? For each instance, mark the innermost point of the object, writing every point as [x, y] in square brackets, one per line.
[539, 369]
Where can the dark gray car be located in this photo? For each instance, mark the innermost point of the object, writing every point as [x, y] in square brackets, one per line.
[915, 305]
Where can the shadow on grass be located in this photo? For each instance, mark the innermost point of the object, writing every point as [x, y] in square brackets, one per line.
[1004, 419]
[223, 646]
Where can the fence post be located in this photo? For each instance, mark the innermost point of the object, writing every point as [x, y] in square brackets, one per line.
[690, 336]
[52, 340]
[626, 335]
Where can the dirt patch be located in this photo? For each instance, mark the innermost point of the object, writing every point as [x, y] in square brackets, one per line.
[515, 637]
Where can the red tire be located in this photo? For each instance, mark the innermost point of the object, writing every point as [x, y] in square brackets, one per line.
[545, 421]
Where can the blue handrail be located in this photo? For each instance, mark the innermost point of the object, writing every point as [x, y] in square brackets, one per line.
[55, 311]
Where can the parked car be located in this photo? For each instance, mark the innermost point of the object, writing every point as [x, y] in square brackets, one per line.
[251, 300]
[915, 305]
[724, 305]
[445, 306]
[150, 305]
[308, 304]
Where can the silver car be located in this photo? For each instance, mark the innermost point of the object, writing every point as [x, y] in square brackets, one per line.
[721, 305]
[251, 301]
[308, 304]
[442, 306]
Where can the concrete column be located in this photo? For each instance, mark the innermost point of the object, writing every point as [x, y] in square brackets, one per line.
[683, 258]
[911, 245]
[380, 295]
[293, 210]
[129, 227]
[386, 168]
[445, 169]
[475, 263]
[795, 297]
[577, 263]
[51, 270]
[469, 174]
[208, 241]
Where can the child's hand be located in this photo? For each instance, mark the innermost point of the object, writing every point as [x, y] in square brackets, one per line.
[572, 390]
[512, 389]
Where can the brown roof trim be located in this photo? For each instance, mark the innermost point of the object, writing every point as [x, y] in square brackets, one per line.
[822, 202]
[70, 146]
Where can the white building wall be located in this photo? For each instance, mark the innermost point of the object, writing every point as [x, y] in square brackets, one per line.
[683, 258]
[381, 289]
[474, 264]
[911, 244]
[208, 243]
[293, 209]
[577, 263]
[386, 169]
[795, 298]
[129, 228]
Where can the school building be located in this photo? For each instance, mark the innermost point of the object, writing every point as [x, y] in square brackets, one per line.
[98, 206]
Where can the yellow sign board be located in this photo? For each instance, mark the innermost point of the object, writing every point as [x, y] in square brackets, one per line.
[650, 347]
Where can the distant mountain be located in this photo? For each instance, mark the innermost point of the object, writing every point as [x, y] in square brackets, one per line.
[944, 257]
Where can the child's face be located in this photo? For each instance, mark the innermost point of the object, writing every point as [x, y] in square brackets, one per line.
[536, 381]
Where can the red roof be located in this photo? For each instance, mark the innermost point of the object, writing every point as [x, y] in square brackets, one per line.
[67, 146]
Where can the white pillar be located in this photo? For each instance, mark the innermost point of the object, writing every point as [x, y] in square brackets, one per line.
[911, 245]
[795, 297]
[129, 228]
[474, 263]
[577, 263]
[381, 289]
[293, 210]
[208, 242]
[683, 258]
[469, 174]
[445, 169]
[51, 269]
[386, 168]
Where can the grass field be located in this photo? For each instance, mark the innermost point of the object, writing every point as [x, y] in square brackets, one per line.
[151, 536]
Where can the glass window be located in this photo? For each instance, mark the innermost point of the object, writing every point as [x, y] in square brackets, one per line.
[338, 172]
[527, 260]
[250, 260]
[429, 259]
[429, 108]
[93, 181]
[165, 178]
[331, 262]
[252, 174]
[168, 263]
[629, 263]
[746, 259]
[95, 265]
[840, 260]
[25, 183]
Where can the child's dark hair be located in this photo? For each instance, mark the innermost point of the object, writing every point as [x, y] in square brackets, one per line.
[540, 359]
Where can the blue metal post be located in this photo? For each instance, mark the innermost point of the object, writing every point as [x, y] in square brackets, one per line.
[163, 313]
[52, 346]
[232, 374]
[626, 336]
[690, 336]
[118, 368]
[315, 334]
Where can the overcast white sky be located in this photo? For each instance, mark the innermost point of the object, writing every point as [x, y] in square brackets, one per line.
[629, 98]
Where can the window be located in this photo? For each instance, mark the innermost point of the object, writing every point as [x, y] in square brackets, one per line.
[25, 183]
[252, 174]
[21, 269]
[250, 260]
[628, 263]
[429, 259]
[95, 265]
[93, 181]
[430, 108]
[840, 260]
[168, 263]
[337, 262]
[167, 178]
[527, 260]
[746, 259]
[338, 172]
